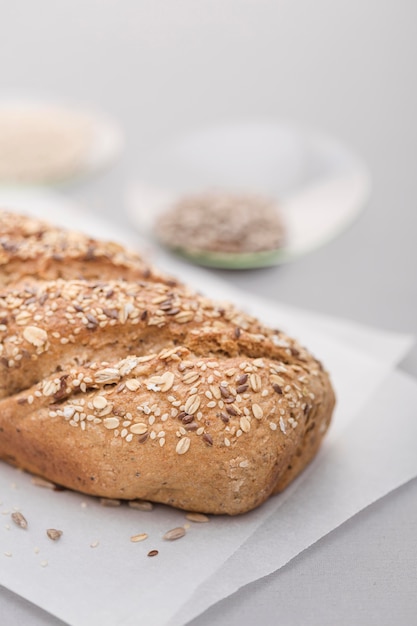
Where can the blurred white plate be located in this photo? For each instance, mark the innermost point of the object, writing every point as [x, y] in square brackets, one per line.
[320, 185]
[105, 144]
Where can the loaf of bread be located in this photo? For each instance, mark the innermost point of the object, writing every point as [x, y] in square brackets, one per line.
[119, 382]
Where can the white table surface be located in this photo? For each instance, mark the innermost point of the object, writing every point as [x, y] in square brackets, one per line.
[345, 67]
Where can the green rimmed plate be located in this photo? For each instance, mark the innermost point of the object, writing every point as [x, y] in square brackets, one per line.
[319, 184]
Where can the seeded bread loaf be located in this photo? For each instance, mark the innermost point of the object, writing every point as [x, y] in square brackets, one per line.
[141, 388]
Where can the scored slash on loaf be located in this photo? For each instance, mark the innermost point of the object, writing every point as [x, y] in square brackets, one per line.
[120, 382]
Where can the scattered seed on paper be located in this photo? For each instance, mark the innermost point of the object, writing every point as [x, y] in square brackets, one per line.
[175, 533]
[199, 518]
[41, 482]
[140, 505]
[153, 552]
[54, 534]
[109, 502]
[140, 537]
[19, 519]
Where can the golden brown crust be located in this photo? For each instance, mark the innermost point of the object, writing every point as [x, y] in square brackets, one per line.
[148, 390]
[31, 249]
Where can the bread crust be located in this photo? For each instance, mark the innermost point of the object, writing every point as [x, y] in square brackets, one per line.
[144, 389]
[32, 250]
